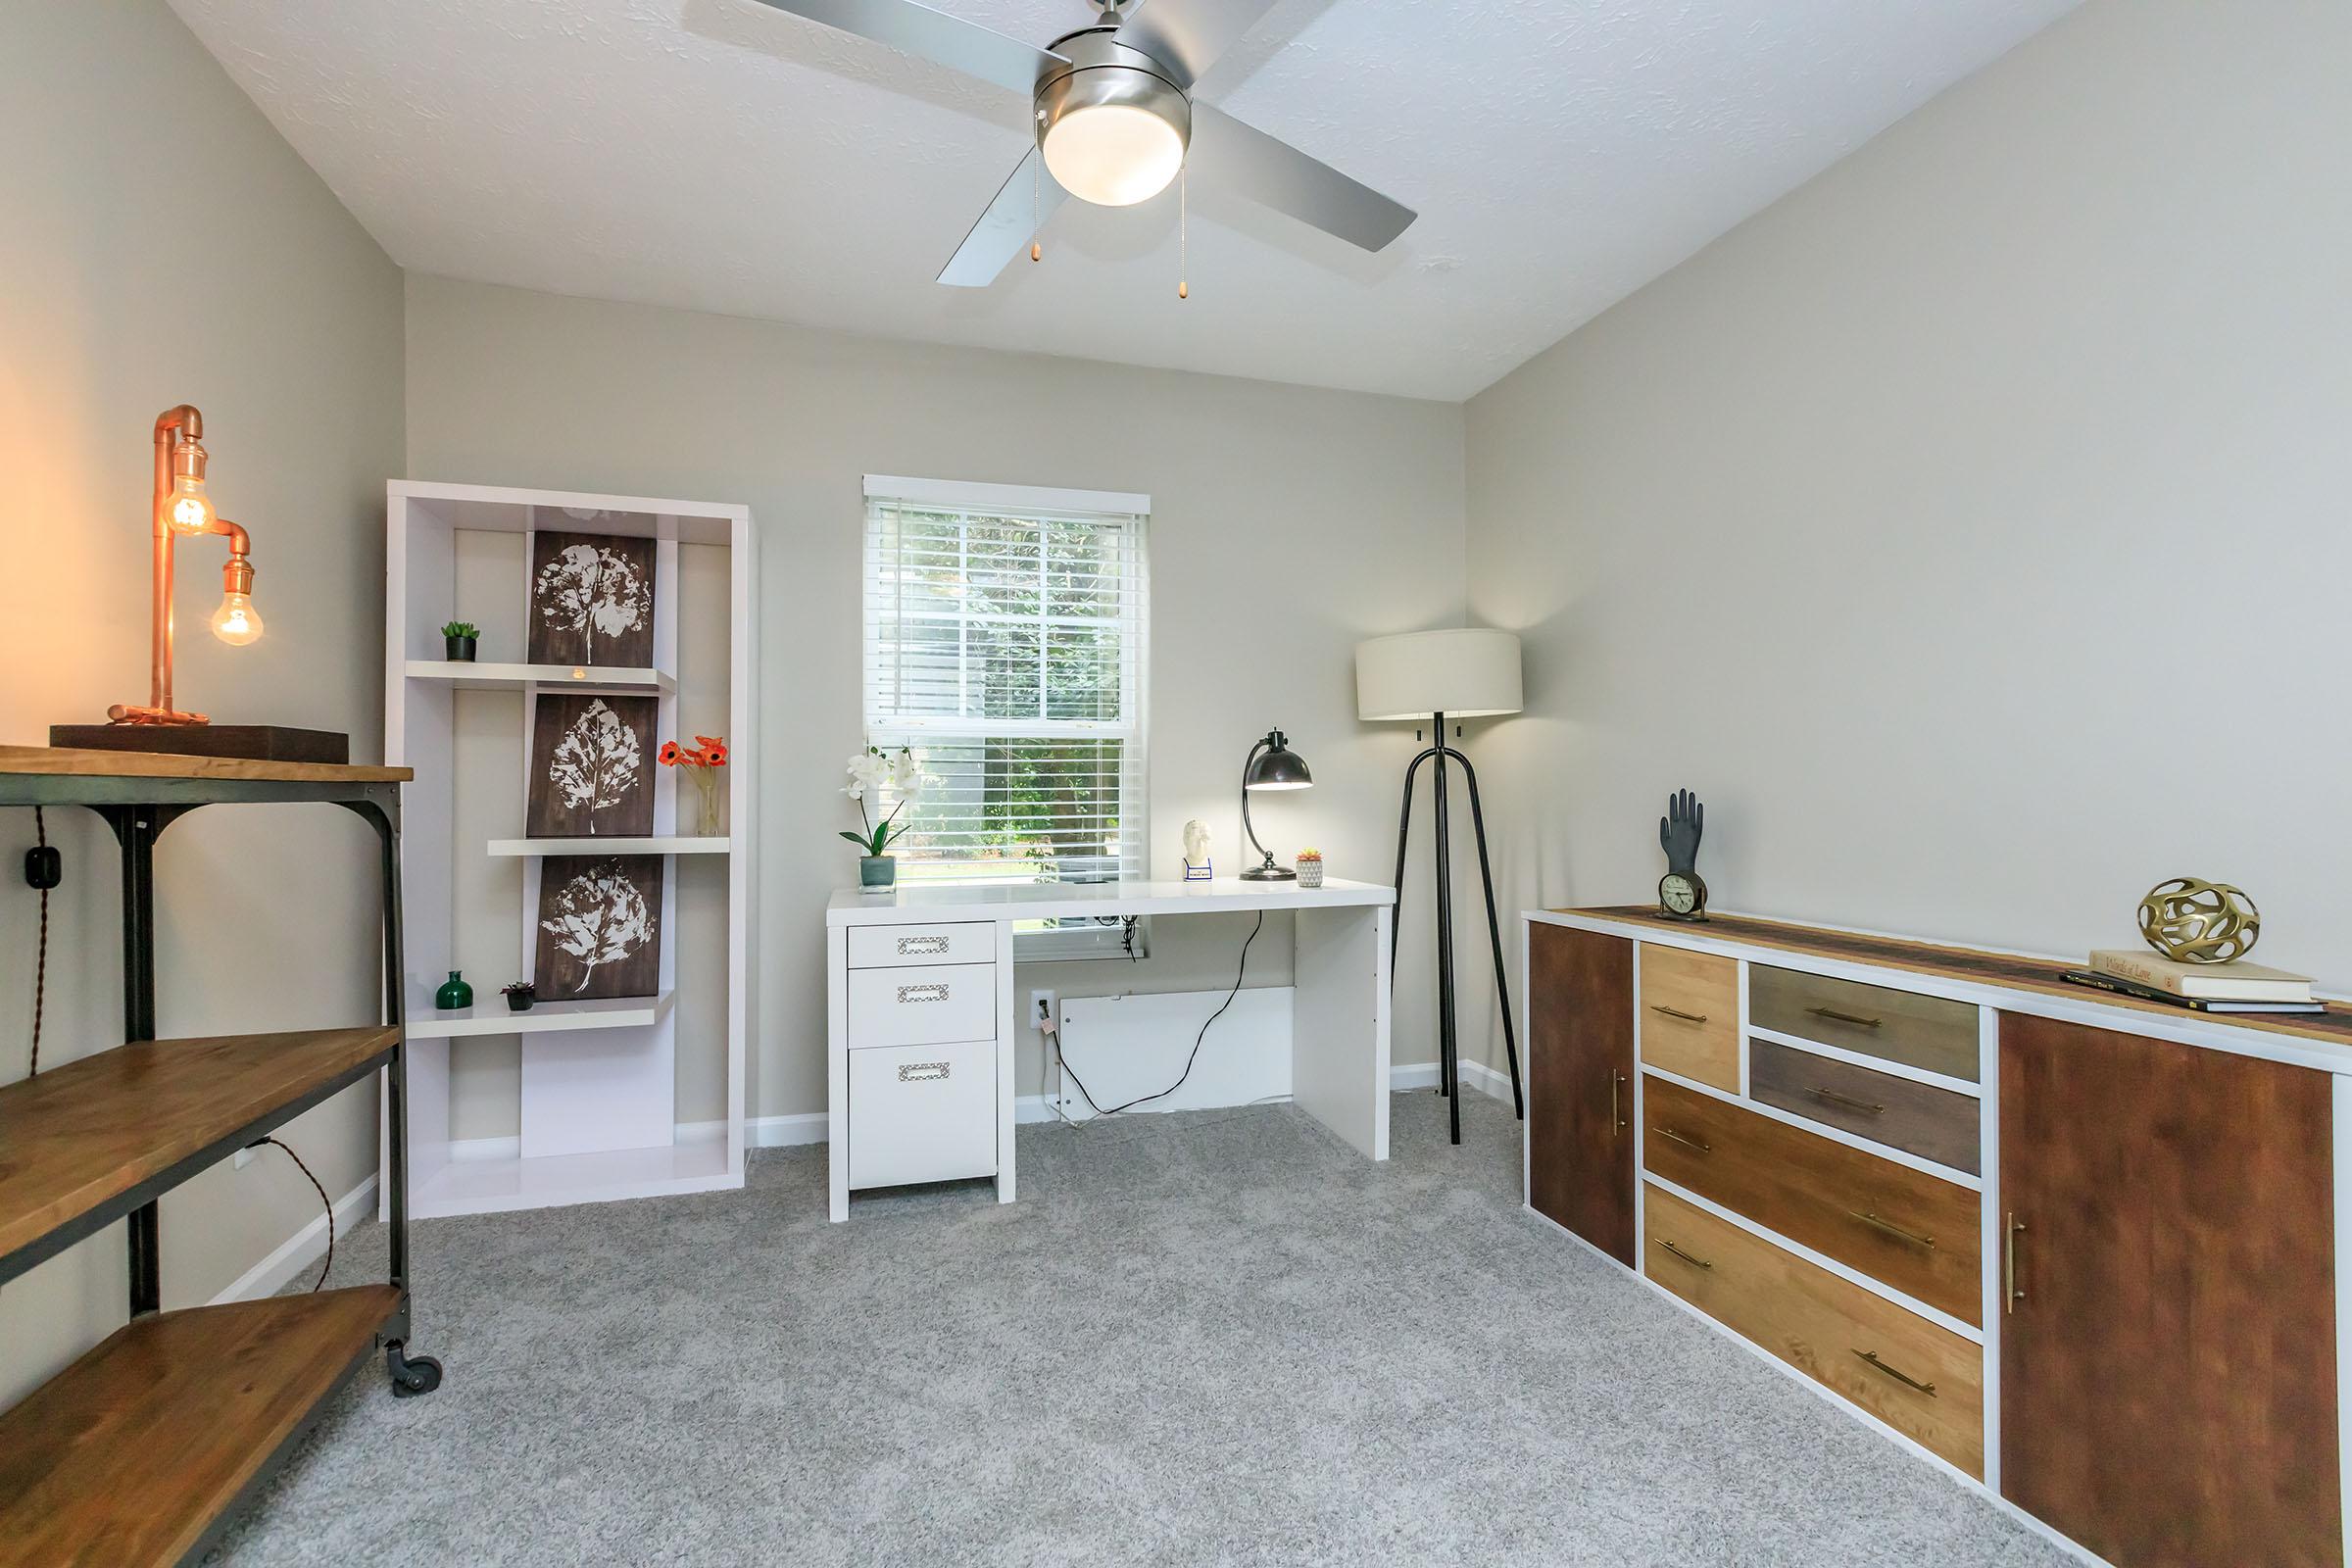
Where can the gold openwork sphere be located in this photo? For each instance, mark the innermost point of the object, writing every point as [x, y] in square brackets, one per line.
[2195, 921]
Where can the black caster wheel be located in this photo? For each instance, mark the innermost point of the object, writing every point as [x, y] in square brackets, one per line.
[411, 1375]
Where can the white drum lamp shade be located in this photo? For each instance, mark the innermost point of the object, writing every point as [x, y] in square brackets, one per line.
[1472, 672]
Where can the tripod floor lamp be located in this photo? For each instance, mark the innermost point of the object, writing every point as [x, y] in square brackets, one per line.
[1437, 676]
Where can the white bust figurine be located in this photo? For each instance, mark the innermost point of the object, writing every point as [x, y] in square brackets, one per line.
[1196, 848]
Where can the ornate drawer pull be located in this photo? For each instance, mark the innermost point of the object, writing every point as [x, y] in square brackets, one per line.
[1912, 1236]
[1695, 1262]
[1835, 1016]
[1687, 1142]
[923, 1072]
[936, 991]
[1848, 1100]
[1872, 1356]
[922, 943]
[1677, 1013]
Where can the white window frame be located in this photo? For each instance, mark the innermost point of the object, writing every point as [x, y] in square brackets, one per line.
[1115, 939]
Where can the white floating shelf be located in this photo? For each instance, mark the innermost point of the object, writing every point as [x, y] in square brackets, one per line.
[608, 845]
[490, 1015]
[514, 677]
[489, 1186]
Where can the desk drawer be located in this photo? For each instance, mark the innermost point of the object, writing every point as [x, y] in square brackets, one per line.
[1916, 1232]
[880, 947]
[922, 1006]
[922, 1113]
[1902, 1026]
[1918, 1377]
[1690, 1014]
[1933, 1123]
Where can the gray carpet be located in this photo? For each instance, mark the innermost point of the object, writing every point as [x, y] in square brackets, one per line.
[1217, 1337]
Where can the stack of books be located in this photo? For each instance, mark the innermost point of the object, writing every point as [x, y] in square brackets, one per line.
[2237, 986]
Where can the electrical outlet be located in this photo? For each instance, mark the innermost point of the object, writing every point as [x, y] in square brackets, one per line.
[1048, 1001]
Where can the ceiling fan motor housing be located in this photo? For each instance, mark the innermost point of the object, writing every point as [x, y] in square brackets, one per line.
[1111, 126]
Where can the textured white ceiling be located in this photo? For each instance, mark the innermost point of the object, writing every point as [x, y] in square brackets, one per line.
[721, 155]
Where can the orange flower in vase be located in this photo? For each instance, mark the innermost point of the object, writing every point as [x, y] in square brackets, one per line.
[703, 760]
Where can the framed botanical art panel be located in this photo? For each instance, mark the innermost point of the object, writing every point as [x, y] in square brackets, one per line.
[592, 768]
[600, 927]
[592, 599]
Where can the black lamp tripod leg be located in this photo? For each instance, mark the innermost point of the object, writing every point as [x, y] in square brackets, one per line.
[1405, 828]
[1502, 983]
[1448, 1049]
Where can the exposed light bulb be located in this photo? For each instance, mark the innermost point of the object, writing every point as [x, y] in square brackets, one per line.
[189, 508]
[236, 622]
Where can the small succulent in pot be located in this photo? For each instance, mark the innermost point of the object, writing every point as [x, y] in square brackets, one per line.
[1311, 868]
[459, 639]
[519, 996]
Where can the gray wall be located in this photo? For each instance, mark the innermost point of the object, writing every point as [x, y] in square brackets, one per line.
[1968, 528]
[1287, 523]
[242, 287]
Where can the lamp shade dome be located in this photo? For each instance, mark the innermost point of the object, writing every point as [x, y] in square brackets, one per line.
[1277, 767]
[1465, 672]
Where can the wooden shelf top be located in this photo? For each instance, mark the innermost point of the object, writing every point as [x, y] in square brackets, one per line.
[77, 1141]
[66, 762]
[135, 1452]
[2011, 970]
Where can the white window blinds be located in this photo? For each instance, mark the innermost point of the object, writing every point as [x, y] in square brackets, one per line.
[1004, 641]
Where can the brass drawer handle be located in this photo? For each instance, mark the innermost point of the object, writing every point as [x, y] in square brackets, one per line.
[1695, 1262]
[1849, 1101]
[1872, 1356]
[935, 992]
[1835, 1016]
[1913, 1237]
[1617, 1121]
[933, 944]
[923, 1072]
[1687, 1142]
[1677, 1013]
[2009, 1290]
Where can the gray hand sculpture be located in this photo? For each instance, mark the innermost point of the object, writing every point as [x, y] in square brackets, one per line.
[1679, 831]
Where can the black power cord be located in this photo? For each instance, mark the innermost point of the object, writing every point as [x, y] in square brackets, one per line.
[322, 1198]
[1238, 971]
[41, 870]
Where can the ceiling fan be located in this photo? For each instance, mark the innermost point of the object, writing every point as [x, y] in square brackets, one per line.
[1115, 119]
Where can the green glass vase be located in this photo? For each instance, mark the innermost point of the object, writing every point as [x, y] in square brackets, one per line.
[454, 993]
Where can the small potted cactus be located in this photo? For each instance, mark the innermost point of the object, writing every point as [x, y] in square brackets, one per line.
[519, 996]
[1311, 868]
[459, 639]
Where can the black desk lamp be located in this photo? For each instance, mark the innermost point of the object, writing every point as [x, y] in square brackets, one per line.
[1272, 765]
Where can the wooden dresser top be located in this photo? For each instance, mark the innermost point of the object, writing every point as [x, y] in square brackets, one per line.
[2009, 971]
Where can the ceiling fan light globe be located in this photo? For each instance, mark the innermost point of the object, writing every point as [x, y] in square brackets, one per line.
[1113, 155]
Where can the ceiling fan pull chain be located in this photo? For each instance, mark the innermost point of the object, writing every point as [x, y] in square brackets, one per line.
[1037, 164]
[1183, 211]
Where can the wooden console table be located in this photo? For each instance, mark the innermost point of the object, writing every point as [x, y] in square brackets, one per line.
[139, 1451]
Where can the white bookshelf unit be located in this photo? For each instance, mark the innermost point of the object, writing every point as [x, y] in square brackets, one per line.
[586, 1101]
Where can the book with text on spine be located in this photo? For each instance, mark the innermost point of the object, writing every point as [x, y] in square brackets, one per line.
[2209, 982]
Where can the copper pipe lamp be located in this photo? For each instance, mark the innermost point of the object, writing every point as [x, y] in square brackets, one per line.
[182, 508]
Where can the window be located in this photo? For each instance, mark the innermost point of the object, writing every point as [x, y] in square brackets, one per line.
[1004, 641]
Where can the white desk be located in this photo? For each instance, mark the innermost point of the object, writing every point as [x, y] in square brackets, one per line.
[1339, 1043]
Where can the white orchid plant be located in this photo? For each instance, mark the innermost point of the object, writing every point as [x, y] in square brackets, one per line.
[872, 772]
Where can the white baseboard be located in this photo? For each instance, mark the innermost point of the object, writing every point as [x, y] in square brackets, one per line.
[811, 1127]
[298, 1251]
[1474, 1074]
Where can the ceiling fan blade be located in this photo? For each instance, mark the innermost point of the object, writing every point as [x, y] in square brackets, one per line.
[1187, 35]
[1241, 158]
[934, 35]
[1006, 230]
